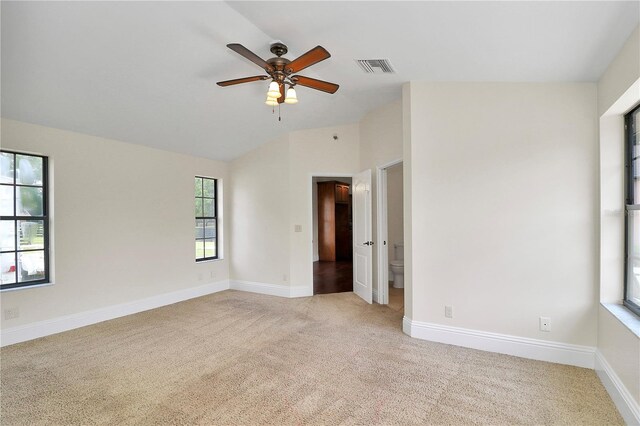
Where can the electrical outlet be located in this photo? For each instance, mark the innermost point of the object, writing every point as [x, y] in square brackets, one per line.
[11, 313]
[545, 324]
[285, 278]
[448, 311]
[199, 277]
[212, 275]
[297, 228]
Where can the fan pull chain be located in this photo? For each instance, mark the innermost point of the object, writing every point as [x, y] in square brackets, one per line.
[279, 118]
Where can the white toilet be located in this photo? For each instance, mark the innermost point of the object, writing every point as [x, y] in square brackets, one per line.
[397, 266]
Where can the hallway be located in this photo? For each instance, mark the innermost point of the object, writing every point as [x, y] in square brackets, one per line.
[332, 277]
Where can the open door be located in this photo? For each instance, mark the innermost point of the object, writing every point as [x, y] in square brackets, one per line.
[362, 244]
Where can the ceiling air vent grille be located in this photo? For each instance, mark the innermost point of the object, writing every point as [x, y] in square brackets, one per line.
[376, 66]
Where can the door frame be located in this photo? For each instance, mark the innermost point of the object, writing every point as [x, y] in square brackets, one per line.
[310, 201]
[382, 231]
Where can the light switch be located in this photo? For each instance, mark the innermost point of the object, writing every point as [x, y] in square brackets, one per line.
[298, 228]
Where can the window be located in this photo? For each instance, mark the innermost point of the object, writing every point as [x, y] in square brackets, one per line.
[206, 218]
[24, 220]
[632, 222]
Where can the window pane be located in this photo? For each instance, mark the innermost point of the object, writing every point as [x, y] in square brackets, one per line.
[30, 266]
[6, 167]
[210, 247]
[635, 196]
[8, 268]
[29, 170]
[209, 207]
[199, 207]
[209, 187]
[31, 235]
[199, 228]
[633, 280]
[210, 229]
[6, 200]
[198, 187]
[7, 235]
[199, 249]
[633, 256]
[29, 201]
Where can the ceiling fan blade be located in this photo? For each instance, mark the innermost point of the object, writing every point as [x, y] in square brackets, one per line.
[243, 51]
[313, 56]
[241, 80]
[282, 93]
[323, 86]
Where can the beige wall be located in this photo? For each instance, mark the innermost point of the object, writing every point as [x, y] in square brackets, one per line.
[618, 91]
[380, 143]
[122, 218]
[504, 204]
[395, 219]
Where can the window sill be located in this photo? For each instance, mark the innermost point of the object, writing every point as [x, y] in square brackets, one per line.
[625, 316]
[28, 287]
[198, 262]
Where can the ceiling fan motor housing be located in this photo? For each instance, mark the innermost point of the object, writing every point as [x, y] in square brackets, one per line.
[279, 49]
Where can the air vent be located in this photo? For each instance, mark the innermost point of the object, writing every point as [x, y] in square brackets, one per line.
[376, 66]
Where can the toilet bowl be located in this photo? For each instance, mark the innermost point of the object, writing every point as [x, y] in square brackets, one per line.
[397, 266]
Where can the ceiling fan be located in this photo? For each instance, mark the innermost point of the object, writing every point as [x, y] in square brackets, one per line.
[280, 71]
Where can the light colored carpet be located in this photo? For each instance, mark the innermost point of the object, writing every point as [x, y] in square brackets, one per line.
[241, 358]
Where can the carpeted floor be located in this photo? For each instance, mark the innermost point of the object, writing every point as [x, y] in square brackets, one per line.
[241, 358]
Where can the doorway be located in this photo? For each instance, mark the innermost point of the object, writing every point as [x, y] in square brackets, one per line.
[390, 231]
[332, 235]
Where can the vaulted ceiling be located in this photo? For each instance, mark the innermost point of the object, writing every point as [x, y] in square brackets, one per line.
[145, 72]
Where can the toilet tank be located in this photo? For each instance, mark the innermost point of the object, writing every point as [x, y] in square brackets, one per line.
[399, 251]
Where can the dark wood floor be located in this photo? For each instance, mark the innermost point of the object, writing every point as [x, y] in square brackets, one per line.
[332, 277]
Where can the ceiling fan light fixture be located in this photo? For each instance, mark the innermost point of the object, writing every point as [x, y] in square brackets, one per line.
[274, 90]
[291, 98]
[271, 101]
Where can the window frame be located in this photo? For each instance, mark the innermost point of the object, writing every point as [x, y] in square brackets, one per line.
[630, 141]
[45, 219]
[206, 218]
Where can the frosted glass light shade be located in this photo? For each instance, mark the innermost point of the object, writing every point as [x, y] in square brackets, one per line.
[271, 101]
[291, 98]
[274, 90]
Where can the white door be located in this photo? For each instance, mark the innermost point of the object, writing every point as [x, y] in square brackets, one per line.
[362, 244]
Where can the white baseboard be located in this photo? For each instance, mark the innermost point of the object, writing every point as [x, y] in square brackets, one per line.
[271, 289]
[38, 329]
[542, 350]
[627, 406]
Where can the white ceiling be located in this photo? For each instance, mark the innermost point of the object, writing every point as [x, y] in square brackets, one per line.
[145, 72]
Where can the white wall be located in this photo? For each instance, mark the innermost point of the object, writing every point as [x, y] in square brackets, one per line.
[621, 73]
[315, 153]
[272, 193]
[381, 142]
[395, 219]
[260, 214]
[122, 220]
[618, 91]
[504, 206]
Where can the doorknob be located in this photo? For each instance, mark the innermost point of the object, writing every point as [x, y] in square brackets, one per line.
[368, 243]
